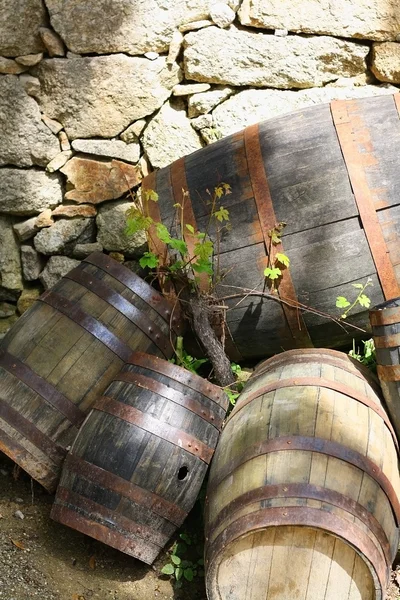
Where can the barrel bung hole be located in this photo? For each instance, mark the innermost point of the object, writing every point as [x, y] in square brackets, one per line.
[182, 473]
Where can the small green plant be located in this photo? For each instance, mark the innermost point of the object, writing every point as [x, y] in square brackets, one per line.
[186, 562]
[367, 356]
[277, 261]
[362, 299]
[183, 359]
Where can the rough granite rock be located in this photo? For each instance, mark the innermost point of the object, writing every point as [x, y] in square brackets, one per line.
[6, 310]
[169, 135]
[386, 62]
[32, 262]
[57, 238]
[132, 133]
[25, 229]
[93, 181]
[111, 226]
[175, 47]
[104, 27]
[81, 251]
[10, 261]
[30, 60]
[24, 139]
[55, 269]
[44, 219]
[20, 23]
[54, 126]
[64, 141]
[251, 106]
[58, 161]
[109, 148]
[222, 15]
[52, 42]
[82, 210]
[237, 57]
[367, 19]
[188, 89]
[101, 96]
[27, 192]
[200, 104]
[30, 84]
[8, 66]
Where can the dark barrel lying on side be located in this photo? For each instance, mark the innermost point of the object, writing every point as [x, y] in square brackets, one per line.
[64, 351]
[331, 173]
[138, 462]
[303, 494]
[385, 322]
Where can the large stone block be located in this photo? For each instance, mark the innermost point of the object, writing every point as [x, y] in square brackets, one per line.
[28, 191]
[237, 57]
[386, 62]
[252, 106]
[10, 262]
[111, 226]
[60, 237]
[367, 19]
[55, 269]
[101, 96]
[24, 140]
[169, 135]
[134, 27]
[20, 23]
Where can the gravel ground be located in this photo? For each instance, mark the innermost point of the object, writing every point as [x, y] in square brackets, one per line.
[48, 561]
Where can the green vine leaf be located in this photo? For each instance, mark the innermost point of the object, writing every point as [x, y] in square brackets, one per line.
[272, 272]
[175, 559]
[149, 195]
[342, 302]
[190, 228]
[149, 259]
[359, 286]
[163, 233]
[179, 245]
[282, 258]
[188, 574]
[204, 249]
[203, 266]
[168, 569]
[364, 301]
[178, 573]
[222, 214]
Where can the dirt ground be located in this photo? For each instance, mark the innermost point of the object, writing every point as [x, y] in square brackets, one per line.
[44, 560]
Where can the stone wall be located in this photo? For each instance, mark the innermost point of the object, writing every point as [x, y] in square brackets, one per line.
[94, 94]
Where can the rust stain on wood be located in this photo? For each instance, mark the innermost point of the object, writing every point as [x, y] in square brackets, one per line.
[357, 150]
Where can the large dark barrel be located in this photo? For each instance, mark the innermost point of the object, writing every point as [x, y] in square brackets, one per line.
[137, 465]
[303, 494]
[385, 322]
[331, 173]
[64, 351]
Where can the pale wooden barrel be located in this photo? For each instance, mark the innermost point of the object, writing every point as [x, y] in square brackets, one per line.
[302, 499]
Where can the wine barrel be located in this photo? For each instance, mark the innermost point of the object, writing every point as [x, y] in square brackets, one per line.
[303, 493]
[64, 351]
[138, 462]
[385, 322]
[330, 172]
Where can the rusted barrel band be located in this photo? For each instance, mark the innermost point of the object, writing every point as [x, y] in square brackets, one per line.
[183, 376]
[335, 386]
[123, 306]
[389, 316]
[109, 481]
[146, 551]
[302, 516]
[138, 286]
[48, 478]
[158, 428]
[171, 394]
[320, 446]
[308, 491]
[330, 361]
[110, 518]
[268, 221]
[388, 372]
[387, 341]
[39, 439]
[42, 387]
[353, 135]
[91, 325]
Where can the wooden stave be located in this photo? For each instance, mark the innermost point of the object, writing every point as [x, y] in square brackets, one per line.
[66, 376]
[385, 323]
[142, 462]
[215, 529]
[314, 233]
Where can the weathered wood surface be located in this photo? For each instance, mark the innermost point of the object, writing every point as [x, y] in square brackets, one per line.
[303, 493]
[385, 322]
[64, 351]
[137, 464]
[307, 180]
